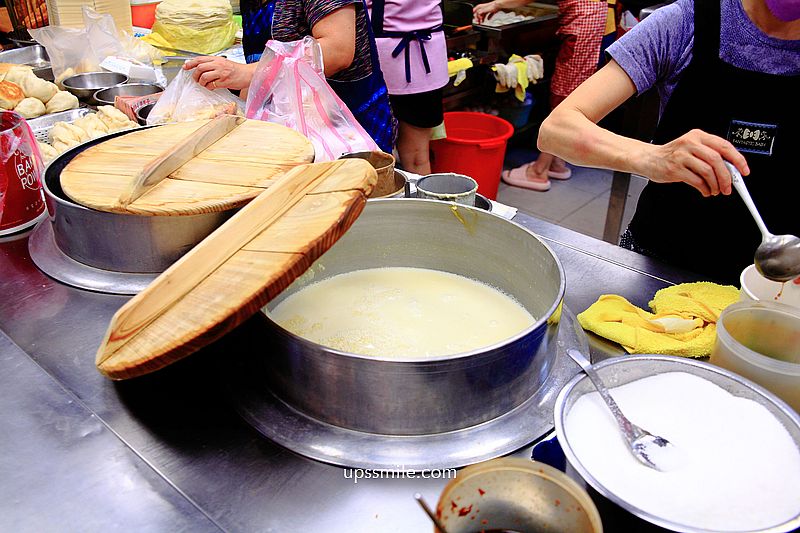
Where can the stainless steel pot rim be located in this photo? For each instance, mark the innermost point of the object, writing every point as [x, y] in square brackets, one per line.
[511, 431]
[559, 415]
[455, 357]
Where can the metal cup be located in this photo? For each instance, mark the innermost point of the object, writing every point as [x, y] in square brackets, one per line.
[448, 187]
[383, 163]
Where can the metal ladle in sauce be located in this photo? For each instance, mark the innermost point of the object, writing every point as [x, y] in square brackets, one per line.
[778, 256]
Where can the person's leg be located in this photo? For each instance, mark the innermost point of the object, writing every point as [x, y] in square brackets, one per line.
[413, 148]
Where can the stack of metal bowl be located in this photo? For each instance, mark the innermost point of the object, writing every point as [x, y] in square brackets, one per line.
[107, 96]
[85, 85]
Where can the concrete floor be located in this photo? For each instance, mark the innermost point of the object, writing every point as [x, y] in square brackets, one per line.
[579, 203]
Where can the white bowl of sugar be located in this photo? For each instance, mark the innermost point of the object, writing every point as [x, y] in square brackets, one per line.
[741, 445]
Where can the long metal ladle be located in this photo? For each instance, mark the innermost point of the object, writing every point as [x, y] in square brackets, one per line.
[778, 256]
[650, 450]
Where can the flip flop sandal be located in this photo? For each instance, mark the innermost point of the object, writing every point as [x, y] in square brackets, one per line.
[556, 175]
[518, 178]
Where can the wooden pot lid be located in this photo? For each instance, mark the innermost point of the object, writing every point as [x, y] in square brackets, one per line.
[225, 175]
[237, 269]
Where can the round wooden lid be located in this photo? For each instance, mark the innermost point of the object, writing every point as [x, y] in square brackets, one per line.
[226, 175]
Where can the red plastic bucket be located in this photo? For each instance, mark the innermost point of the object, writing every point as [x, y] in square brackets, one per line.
[475, 146]
[143, 13]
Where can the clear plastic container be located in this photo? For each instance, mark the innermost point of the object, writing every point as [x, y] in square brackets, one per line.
[761, 341]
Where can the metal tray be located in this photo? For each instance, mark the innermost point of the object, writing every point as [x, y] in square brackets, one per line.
[35, 56]
[41, 125]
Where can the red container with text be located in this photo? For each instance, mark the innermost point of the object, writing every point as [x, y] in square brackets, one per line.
[22, 203]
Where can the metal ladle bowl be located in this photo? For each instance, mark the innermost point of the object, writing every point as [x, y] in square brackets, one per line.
[778, 256]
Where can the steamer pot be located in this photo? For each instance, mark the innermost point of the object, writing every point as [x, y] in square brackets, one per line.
[117, 242]
[419, 397]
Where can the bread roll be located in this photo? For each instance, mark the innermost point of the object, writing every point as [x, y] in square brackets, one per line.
[61, 101]
[30, 108]
[10, 95]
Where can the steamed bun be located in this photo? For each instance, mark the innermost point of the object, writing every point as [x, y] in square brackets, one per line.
[30, 108]
[64, 133]
[92, 125]
[61, 101]
[114, 119]
[18, 74]
[35, 87]
[48, 152]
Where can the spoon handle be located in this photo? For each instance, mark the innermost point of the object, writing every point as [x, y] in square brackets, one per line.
[738, 184]
[629, 429]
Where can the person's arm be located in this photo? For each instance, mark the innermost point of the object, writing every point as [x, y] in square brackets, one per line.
[215, 72]
[336, 33]
[571, 132]
[481, 11]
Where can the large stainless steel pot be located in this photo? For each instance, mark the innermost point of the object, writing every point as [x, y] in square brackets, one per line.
[418, 397]
[117, 242]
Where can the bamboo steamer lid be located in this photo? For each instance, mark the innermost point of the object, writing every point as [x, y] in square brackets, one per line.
[225, 175]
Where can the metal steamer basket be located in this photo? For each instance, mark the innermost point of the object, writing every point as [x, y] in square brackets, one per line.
[109, 252]
[384, 410]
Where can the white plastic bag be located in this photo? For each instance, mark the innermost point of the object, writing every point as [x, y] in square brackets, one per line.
[184, 99]
[289, 88]
[74, 51]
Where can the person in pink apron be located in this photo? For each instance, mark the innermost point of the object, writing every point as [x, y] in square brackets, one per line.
[413, 57]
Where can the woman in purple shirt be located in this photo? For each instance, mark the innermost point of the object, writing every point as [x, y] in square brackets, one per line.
[728, 75]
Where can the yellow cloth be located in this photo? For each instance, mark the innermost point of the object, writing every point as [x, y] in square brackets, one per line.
[457, 65]
[683, 322]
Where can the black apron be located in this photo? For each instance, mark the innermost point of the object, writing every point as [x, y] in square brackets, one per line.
[376, 16]
[759, 113]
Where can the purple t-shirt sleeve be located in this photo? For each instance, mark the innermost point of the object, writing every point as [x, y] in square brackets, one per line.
[658, 49]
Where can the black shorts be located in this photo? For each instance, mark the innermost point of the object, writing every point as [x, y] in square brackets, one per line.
[423, 110]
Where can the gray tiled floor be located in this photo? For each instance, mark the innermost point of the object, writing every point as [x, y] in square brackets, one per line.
[579, 203]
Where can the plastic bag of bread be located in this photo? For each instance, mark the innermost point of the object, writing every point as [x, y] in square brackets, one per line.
[184, 100]
[202, 26]
[69, 50]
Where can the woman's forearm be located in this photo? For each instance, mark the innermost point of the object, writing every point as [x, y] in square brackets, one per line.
[570, 135]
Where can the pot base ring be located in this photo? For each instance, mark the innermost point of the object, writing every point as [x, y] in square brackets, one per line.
[46, 254]
[324, 442]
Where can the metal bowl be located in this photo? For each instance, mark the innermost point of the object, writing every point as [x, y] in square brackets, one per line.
[435, 395]
[515, 494]
[85, 85]
[107, 96]
[117, 242]
[142, 113]
[34, 56]
[621, 370]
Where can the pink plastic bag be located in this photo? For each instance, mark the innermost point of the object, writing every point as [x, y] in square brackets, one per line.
[289, 88]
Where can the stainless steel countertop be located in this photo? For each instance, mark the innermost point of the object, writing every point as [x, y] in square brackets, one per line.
[167, 452]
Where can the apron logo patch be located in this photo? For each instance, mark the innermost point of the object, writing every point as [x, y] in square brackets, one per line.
[752, 137]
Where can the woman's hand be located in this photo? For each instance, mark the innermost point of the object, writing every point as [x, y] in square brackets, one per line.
[214, 72]
[481, 11]
[695, 158]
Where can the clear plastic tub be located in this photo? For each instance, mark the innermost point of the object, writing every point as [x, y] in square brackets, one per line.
[761, 341]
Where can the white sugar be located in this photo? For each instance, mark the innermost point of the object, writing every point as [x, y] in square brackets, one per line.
[742, 470]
